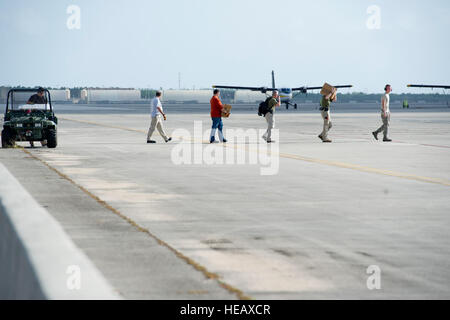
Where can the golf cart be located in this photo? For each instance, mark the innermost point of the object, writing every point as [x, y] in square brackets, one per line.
[29, 122]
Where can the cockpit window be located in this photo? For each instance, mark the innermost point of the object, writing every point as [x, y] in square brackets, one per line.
[286, 90]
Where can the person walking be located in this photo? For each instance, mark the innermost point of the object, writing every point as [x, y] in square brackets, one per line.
[216, 117]
[325, 112]
[273, 103]
[385, 115]
[157, 113]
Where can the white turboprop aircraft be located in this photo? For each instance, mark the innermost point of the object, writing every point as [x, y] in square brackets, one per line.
[286, 94]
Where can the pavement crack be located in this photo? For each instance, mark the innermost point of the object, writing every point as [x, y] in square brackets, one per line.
[208, 274]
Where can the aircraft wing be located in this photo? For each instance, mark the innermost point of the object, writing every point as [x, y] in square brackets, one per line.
[265, 89]
[306, 89]
[427, 86]
[262, 89]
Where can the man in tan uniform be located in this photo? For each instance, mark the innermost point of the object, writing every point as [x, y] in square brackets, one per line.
[385, 115]
[325, 111]
[273, 103]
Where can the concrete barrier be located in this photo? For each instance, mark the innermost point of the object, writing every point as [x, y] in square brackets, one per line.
[37, 258]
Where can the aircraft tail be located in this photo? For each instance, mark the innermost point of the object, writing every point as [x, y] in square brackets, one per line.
[273, 79]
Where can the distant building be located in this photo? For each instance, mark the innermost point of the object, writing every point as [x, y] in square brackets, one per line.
[250, 96]
[110, 95]
[187, 96]
[62, 95]
[4, 94]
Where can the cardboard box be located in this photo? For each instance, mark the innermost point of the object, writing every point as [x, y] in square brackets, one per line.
[327, 89]
[226, 110]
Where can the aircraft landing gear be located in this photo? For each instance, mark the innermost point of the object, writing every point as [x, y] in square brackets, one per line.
[291, 104]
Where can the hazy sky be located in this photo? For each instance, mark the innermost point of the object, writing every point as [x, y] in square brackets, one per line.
[137, 43]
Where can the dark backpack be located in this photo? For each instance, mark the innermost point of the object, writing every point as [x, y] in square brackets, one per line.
[264, 108]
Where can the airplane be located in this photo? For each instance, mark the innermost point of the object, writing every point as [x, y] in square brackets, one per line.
[286, 94]
[427, 86]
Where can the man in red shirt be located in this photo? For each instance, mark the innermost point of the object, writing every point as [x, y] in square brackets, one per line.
[216, 116]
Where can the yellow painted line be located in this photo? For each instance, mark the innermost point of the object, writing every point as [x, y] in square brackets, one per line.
[209, 275]
[344, 165]
[368, 169]
[354, 167]
[348, 166]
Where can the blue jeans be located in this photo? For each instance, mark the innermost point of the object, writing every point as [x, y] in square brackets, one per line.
[217, 124]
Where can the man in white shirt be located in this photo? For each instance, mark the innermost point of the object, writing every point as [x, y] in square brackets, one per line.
[157, 112]
[385, 115]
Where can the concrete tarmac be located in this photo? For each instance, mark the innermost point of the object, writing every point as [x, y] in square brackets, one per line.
[310, 230]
